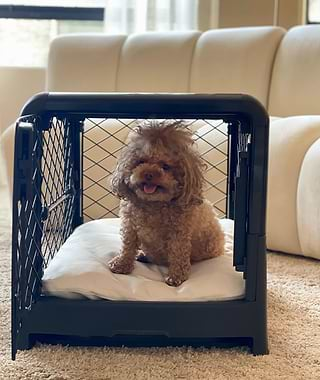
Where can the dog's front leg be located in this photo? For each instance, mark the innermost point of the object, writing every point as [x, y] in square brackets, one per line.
[179, 254]
[124, 262]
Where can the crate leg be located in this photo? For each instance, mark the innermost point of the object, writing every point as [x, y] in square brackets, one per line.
[24, 341]
[259, 345]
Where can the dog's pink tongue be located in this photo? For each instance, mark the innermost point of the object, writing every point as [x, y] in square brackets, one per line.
[149, 189]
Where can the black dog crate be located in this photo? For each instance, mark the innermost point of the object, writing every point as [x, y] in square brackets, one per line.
[56, 189]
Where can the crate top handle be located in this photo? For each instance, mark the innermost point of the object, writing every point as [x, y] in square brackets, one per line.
[150, 105]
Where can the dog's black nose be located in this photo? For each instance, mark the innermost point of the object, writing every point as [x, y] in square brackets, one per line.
[148, 176]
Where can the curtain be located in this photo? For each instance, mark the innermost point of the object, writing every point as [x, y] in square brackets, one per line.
[134, 16]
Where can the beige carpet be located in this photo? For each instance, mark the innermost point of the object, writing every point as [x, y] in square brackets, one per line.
[294, 336]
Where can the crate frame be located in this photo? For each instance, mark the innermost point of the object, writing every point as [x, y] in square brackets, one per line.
[85, 321]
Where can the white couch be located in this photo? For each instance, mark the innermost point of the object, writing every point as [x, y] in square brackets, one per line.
[17, 84]
[281, 69]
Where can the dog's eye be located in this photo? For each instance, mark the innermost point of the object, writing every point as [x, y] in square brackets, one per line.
[166, 167]
[140, 162]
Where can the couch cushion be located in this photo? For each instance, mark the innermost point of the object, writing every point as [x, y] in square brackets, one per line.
[156, 62]
[235, 61]
[84, 62]
[295, 85]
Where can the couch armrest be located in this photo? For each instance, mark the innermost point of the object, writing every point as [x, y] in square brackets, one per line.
[308, 202]
[17, 85]
[292, 160]
[7, 153]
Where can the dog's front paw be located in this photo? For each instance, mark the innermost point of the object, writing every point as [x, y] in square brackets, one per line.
[121, 265]
[174, 280]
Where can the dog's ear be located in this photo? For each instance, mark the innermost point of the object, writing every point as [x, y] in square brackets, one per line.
[192, 168]
[118, 185]
[120, 176]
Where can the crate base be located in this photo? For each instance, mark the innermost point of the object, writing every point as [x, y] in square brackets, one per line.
[145, 324]
[141, 341]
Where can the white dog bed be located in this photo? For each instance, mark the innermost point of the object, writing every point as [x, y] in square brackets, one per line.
[80, 269]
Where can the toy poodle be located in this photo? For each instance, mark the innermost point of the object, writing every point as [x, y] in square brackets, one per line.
[164, 217]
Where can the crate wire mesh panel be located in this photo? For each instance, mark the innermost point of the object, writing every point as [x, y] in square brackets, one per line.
[47, 205]
[103, 140]
[63, 165]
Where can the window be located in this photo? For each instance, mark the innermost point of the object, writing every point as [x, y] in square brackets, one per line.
[313, 11]
[28, 26]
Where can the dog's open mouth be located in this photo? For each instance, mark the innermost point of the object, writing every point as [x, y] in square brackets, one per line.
[150, 188]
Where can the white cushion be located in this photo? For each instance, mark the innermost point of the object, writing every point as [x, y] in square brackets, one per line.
[156, 62]
[80, 269]
[295, 84]
[84, 62]
[235, 60]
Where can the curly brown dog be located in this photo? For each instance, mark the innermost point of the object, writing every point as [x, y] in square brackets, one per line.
[164, 217]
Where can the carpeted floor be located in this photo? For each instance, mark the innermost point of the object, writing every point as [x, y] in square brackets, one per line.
[294, 336]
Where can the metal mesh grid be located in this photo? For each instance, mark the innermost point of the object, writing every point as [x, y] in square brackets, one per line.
[102, 144]
[45, 217]
[57, 190]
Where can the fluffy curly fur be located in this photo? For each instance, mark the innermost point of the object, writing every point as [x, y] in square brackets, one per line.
[164, 218]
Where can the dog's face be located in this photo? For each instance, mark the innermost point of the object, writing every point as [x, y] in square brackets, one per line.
[155, 177]
[159, 164]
